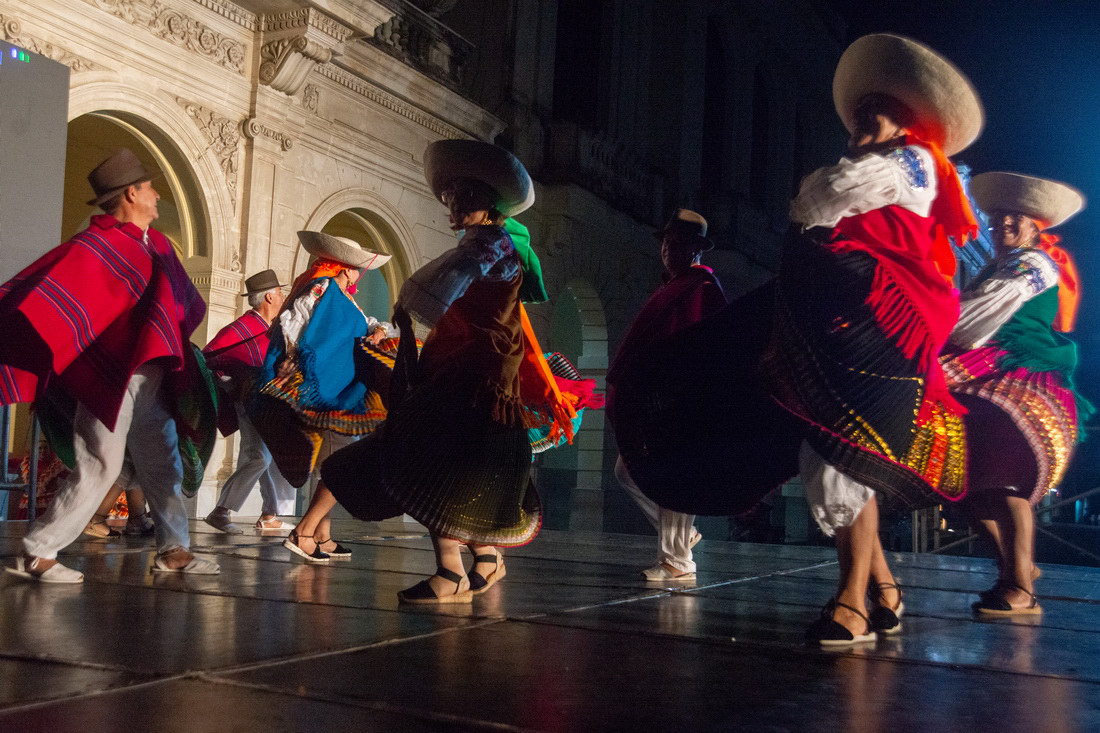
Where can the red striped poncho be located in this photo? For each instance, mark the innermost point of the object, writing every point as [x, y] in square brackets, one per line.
[87, 314]
[237, 351]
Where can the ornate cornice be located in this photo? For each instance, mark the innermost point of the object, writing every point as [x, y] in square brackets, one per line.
[178, 28]
[224, 137]
[390, 102]
[253, 128]
[12, 31]
[233, 12]
[302, 18]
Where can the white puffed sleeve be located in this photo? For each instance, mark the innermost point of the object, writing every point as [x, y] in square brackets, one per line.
[905, 177]
[294, 319]
[991, 304]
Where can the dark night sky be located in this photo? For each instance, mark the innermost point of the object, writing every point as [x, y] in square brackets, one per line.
[1037, 67]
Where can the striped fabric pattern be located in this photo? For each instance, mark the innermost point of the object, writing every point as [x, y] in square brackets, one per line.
[100, 305]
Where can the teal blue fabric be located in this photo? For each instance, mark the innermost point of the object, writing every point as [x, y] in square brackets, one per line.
[326, 354]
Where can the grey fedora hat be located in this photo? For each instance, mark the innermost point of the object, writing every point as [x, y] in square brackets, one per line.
[117, 173]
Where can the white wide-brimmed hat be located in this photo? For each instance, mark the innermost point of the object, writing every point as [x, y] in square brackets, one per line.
[341, 249]
[947, 108]
[1048, 202]
[447, 160]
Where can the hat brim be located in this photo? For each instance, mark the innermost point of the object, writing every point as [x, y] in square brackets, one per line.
[708, 242]
[104, 197]
[276, 285]
[348, 253]
[947, 108]
[448, 160]
[1048, 202]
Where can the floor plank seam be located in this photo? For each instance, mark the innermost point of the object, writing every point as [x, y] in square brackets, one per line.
[375, 705]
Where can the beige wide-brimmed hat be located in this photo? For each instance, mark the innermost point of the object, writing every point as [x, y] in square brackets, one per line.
[447, 160]
[947, 107]
[1048, 202]
[341, 249]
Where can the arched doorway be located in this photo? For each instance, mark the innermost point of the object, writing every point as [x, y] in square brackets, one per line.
[570, 477]
[94, 136]
[378, 288]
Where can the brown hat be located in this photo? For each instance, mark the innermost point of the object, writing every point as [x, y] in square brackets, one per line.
[261, 282]
[114, 175]
[688, 223]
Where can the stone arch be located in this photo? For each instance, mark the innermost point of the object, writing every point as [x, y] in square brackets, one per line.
[381, 222]
[165, 124]
[571, 476]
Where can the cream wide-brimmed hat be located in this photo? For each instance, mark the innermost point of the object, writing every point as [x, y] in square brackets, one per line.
[341, 249]
[1049, 203]
[447, 160]
[947, 108]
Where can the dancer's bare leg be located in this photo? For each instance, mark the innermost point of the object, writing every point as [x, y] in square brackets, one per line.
[447, 555]
[316, 518]
[883, 578]
[1018, 532]
[855, 547]
[98, 526]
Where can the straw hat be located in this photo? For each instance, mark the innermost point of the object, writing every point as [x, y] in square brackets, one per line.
[341, 249]
[447, 160]
[946, 106]
[1049, 203]
[114, 175]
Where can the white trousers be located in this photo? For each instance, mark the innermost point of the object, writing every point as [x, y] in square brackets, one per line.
[674, 530]
[146, 433]
[254, 465]
[835, 498]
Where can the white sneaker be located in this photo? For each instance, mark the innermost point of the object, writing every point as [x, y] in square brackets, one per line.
[660, 573]
[57, 573]
[222, 521]
[273, 525]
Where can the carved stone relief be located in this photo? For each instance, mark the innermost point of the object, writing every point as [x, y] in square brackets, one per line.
[288, 61]
[223, 135]
[178, 28]
[253, 128]
[13, 33]
[311, 98]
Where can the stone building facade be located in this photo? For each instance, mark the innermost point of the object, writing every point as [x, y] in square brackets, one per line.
[270, 116]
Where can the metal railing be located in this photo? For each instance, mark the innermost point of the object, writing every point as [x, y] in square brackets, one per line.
[1039, 528]
[12, 482]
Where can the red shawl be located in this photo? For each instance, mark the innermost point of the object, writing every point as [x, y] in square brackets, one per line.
[911, 296]
[87, 314]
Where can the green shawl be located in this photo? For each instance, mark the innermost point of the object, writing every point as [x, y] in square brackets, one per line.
[533, 289]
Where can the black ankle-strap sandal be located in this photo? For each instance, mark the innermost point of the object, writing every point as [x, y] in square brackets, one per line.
[884, 619]
[338, 551]
[477, 580]
[827, 632]
[994, 604]
[423, 592]
[291, 543]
